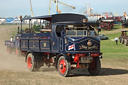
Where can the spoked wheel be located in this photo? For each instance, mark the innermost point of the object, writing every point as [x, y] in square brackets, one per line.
[106, 28]
[31, 62]
[125, 42]
[64, 67]
[95, 67]
[8, 50]
[17, 52]
[122, 41]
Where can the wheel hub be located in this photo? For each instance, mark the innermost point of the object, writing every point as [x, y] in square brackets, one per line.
[62, 66]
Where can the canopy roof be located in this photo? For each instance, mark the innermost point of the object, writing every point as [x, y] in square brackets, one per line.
[66, 17]
[47, 17]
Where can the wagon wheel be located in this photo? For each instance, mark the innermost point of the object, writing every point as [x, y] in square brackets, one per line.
[17, 52]
[122, 41]
[32, 63]
[125, 42]
[106, 28]
[95, 67]
[110, 27]
[64, 67]
[9, 51]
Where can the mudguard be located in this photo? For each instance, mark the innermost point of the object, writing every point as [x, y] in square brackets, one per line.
[68, 58]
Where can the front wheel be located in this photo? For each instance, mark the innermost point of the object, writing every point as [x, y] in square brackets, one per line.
[122, 41]
[125, 42]
[95, 67]
[63, 66]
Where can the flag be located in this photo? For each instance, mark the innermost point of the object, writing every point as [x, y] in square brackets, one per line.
[71, 47]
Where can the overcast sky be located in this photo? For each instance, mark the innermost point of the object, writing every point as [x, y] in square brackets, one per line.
[15, 8]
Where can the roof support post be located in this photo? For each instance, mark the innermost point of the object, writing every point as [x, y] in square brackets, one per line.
[21, 26]
[31, 25]
[40, 22]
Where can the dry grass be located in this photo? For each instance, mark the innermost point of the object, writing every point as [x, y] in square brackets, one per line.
[13, 70]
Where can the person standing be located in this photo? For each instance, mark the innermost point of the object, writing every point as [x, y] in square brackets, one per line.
[116, 39]
[11, 39]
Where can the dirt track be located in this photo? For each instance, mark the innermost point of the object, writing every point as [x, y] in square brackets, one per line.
[13, 70]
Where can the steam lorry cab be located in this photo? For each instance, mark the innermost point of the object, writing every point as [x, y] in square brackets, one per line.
[69, 42]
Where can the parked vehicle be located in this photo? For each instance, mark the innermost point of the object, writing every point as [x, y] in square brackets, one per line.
[124, 38]
[125, 20]
[125, 23]
[107, 24]
[13, 44]
[103, 37]
[69, 42]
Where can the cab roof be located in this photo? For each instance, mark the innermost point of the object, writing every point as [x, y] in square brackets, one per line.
[124, 30]
[58, 18]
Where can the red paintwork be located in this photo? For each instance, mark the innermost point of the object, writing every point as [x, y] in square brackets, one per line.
[29, 62]
[23, 52]
[76, 59]
[8, 51]
[47, 53]
[17, 52]
[107, 25]
[101, 54]
[94, 54]
[77, 56]
[63, 69]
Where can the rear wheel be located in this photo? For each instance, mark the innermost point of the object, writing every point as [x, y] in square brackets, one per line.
[63, 66]
[8, 50]
[106, 28]
[125, 42]
[95, 67]
[17, 52]
[32, 63]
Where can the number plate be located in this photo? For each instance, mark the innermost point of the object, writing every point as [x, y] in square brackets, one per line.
[85, 60]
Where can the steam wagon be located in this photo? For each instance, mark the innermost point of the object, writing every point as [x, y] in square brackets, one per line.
[69, 41]
[13, 44]
[123, 38]
[107, 24]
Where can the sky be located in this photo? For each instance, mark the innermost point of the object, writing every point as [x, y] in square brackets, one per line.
[15, 8]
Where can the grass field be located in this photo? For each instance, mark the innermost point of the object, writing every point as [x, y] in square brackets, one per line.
[109, 47]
